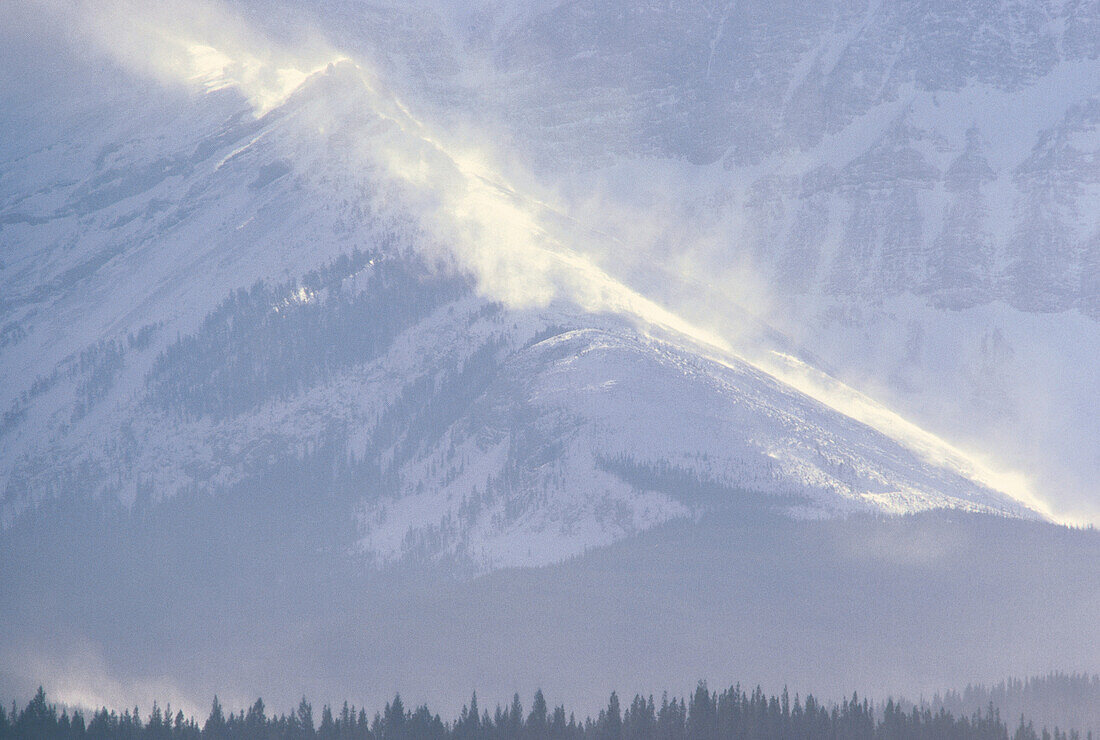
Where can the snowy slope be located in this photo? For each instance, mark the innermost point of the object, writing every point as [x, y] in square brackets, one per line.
[908, 185]
[306, 311]
[205, 299]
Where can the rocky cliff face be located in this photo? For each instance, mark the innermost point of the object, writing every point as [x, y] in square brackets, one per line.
[919, 146]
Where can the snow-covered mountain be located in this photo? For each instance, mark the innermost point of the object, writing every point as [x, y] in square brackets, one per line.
[468, 289]
[252, 302]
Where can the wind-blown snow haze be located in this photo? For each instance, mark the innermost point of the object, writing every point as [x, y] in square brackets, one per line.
[338, 341]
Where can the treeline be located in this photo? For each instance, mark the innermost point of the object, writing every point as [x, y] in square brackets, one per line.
[1072, 700]
[706, 715]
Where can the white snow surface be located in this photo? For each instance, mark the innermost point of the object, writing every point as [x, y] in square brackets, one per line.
[595, 411]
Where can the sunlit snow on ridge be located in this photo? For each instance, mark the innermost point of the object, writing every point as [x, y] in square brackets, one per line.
[196, 43]
[266, 88]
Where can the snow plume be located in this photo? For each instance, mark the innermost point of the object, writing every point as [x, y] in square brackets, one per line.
[82, 678]
[527, 245]
[524, 248]
[528, 250]
[864, 409]
[196, 43]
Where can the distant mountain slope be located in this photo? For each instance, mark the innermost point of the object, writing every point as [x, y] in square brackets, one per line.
[230, 591]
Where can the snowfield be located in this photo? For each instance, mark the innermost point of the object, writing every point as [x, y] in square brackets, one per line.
[265, 256]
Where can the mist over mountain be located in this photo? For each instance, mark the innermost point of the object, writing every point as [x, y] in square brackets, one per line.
[340, 343]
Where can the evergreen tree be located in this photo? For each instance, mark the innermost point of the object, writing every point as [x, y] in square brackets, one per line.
[670, 720]
[538, 727]
[1025, 732]
[393, 720]
[328, 729]
[305, 719]
[513, 721]
[640, 720]
[216, 726]
[559, 730]
[702, 721]
[255, 722]
[38, 719]
[609, 726]
[468, 726]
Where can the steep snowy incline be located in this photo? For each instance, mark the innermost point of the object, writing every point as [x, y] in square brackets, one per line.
[316, 291]
[593, 434]
[914, 188]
